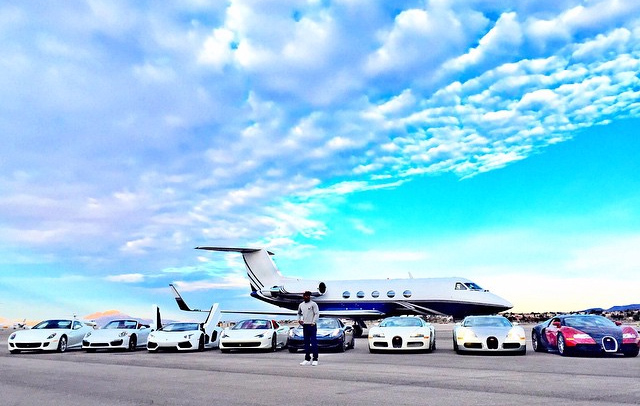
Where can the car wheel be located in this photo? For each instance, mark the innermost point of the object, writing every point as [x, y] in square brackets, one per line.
[535, 341]
[133, 343]
[343, 345]
[62, 344]
[455, 346]
[353, 343]
[562, 346]
[293, 349]
[201, 343]
[632, 353]
[274, 343]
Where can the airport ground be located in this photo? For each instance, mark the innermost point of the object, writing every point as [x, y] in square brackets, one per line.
[355, 377]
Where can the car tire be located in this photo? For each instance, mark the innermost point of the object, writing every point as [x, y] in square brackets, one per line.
[535, 342]
[274, 343]
[353, 343]
[62, 344]
[201, 343]
[293, 350]
[133, 343]
[562, 346]
[343, 345]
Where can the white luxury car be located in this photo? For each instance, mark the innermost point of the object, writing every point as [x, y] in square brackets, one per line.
[126, 334]
[50, 335]
[184, 337]
[488, 333]
[402, 333]
[254, 334]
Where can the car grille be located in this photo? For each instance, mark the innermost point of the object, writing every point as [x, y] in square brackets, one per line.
[28, 345]
[380, 344]
[510, 346]
[396, 342]
[492, 343]
[473, 345]
[609, 344]
[415, 344]
[185, 344]
[116, 343]
[152, 345]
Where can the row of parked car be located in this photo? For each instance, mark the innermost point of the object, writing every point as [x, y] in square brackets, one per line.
[566, 334]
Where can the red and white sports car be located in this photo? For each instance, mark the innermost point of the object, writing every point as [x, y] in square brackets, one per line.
[573, 333]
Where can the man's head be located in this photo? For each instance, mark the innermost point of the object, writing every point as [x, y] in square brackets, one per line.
[306, 296]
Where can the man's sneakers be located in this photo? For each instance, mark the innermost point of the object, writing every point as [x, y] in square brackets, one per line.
[305, 362]
[314, 363]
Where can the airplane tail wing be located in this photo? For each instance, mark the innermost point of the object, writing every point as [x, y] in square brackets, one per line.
[157, 320]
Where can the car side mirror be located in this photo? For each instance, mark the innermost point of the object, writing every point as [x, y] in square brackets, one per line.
[618, 323]
[557, 324]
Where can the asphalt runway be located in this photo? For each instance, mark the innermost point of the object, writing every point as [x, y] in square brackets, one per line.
[355, 377]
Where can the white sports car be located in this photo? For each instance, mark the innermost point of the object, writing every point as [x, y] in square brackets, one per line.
[183, 337]
[117, 334]
[488, 333]
[254, 334]
[49, 335]
[402, 333]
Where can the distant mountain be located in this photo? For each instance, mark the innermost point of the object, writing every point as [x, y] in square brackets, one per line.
[614, 308]
[102, 318]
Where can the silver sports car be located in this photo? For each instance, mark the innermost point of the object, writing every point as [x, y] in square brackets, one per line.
[489, 334]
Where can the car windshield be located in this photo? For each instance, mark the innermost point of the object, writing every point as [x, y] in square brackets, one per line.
[581, 322]
[181, 327]
[486, 322]
[252, 324]
[121, 324]
[50, 324]
[328, 323]
[401, 322]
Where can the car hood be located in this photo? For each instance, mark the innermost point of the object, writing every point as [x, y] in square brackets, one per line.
[107, 334]
[246, 334]
[490, 331]
[38, 335]
[391, 331]
[598, 333]
[172, 334]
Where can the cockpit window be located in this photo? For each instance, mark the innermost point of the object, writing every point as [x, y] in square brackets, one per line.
[460, 286]
[472, 286]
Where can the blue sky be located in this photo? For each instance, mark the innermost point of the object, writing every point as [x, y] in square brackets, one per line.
[355, 139]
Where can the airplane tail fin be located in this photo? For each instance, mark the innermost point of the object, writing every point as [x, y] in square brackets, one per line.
[265, 277]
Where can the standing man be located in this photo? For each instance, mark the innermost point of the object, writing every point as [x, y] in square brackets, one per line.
[308, 314]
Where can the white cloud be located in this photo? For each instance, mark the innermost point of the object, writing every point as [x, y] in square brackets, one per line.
[126, 278]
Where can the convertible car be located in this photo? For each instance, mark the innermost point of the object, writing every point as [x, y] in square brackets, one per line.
[254, 334]
[117, 334]
[589, 333]
[183, 337]
[488, 334]
[332, 334]
[402, 333]
[49, 335]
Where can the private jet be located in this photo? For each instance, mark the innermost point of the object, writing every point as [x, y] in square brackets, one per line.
[361, 299]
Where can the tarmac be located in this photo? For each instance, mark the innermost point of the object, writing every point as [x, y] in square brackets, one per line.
[355, 377]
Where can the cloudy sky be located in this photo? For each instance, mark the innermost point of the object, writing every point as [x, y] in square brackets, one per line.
[356, 139]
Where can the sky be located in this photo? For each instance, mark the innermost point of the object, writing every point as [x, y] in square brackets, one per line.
[490, 140]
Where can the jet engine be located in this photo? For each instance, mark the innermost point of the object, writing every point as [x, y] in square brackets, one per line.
[296, 288]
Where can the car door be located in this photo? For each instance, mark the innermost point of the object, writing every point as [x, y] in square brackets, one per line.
[551, 332]
[77, 333]
[143, 335]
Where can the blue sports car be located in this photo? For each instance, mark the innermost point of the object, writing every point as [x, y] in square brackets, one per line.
[332, 334]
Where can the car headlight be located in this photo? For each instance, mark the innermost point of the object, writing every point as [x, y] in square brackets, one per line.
[466, 334]
[51, 336]
[87, 335]
[122, 334]
[417, 335]
[188, 336]
[260, 335]
[336, 333]
[516, 334]
[12, 336]
[627, 336]
[581, 335]
[224, 335]
[294, 332]
[378, 335]
[152, 335]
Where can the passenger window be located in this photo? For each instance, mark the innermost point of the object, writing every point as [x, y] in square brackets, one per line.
[360, 294]
[406, 293]
[391, 293]
[375, 293]
[346, 294]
